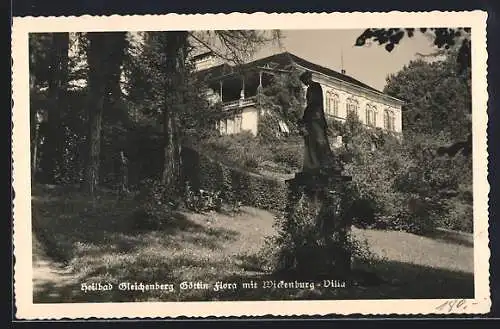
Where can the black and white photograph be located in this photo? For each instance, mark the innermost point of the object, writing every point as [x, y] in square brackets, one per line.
[254, 165]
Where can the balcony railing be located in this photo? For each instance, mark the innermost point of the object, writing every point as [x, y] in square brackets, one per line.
[239, 103]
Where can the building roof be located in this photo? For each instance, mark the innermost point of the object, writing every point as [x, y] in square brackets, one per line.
[201, 55]
[214, 71]
[332, 73]
[284, 61]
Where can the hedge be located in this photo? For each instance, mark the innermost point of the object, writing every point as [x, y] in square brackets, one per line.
[235, 185]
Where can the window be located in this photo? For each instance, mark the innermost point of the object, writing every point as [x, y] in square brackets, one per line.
[332, 103]
[352, 107]
[371, 115]
[389, 120]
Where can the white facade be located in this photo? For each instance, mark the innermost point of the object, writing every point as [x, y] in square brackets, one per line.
[372, 109]
[245, 118]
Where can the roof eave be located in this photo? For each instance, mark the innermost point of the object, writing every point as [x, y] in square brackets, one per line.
[374, 91]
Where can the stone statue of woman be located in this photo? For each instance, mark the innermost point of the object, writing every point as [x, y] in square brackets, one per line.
[318, 156]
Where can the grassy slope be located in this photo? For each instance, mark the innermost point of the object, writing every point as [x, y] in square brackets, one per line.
[100, 242]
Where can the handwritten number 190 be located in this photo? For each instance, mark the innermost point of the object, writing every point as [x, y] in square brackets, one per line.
[455, 304]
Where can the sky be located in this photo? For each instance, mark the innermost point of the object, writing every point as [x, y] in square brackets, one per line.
[369, 64]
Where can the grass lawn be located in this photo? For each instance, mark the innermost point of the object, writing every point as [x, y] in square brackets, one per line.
[79, 241]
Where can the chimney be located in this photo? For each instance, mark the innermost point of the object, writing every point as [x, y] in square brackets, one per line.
[342, 71]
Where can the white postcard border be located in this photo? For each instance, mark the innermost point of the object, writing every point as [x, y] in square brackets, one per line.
[23, 285]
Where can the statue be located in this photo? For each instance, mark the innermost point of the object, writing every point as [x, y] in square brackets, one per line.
[318, 156]
[316, 200]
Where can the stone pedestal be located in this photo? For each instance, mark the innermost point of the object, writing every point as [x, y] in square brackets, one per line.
[315, 226]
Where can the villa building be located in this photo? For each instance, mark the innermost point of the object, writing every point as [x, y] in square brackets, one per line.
[237, 88]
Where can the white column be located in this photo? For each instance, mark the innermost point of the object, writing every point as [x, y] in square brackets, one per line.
[242, 93]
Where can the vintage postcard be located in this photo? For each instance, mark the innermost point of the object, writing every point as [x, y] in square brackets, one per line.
[250, 165]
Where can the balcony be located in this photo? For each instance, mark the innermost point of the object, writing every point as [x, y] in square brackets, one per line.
[239, 103]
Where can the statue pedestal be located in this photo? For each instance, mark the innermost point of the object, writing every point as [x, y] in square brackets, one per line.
[315, 227]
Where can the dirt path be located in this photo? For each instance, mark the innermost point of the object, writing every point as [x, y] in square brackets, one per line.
[49, 276]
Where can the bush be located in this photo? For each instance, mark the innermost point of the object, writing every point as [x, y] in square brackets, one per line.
[234, 184]
[201, 200]
[403, 185]
[268, 128]
[289, 154]
[239, 150]
[246, 152]
[372, 195]
[459, 217]
[397, 184]
[251, 161]
[155, 210]
[319, 227]
[299, 237]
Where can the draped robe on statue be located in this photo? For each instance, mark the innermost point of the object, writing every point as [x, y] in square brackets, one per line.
[317, 152]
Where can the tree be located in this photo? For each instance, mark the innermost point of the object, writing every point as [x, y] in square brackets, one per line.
[434, 96]
[283, 99]
[105, 55]
[49, 69]
[444, 39]
[436, 189]
[37, 49]
[165, 78]
[175, 52]
[233, 46]
[58, 86]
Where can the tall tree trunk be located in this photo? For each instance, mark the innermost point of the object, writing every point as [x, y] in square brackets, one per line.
[105, 55]
[95, 103]
[174, 96]
[52, 162]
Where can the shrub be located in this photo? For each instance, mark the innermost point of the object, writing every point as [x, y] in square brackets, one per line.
[371, 195]
[201, 200]
[246, 152]
[155, 209]
[239, 150]
[299, 238]
[319, 227]
[237, 185]
[251, 161]
[403, 185]
[459, 217]
[268, 128]
[289, 154]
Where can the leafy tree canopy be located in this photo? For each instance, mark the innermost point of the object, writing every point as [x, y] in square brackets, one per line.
[284, 97]
[435, 96]
[454, 43]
